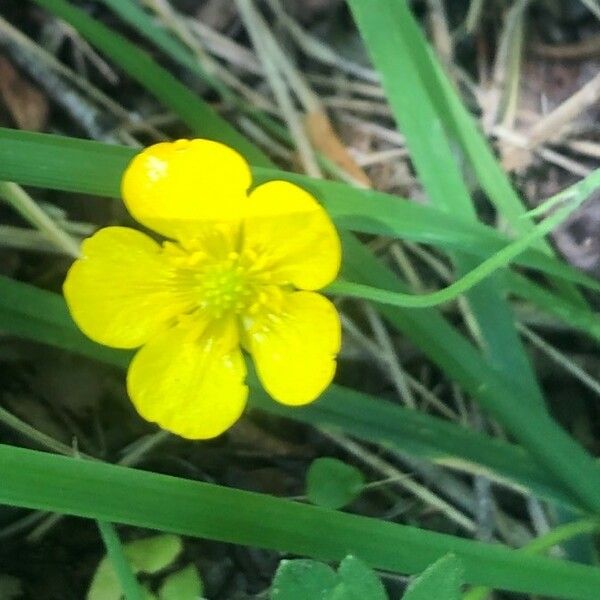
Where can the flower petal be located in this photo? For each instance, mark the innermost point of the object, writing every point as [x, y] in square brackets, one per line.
[118, 292]
[291, 229]
[173, 187]
[295, 350]
[194, 388]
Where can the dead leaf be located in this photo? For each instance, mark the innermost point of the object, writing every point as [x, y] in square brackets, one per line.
[27, 105]
[325, 139]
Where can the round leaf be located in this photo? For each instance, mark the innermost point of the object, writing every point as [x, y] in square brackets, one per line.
[332, 483]
[441, 580]
[182, 585]
[360, 580]
[303, 579]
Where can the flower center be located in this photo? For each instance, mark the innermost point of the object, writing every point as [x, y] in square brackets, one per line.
[224, 282]
[226, 286]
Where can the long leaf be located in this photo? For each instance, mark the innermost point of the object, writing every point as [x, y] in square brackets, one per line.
[105, 492]
[71, 164]
[385, 28]
[499, 395]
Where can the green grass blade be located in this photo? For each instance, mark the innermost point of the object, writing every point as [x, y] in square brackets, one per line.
[42, 316]
[463, 130]
[552, 538]
[148, 27]
[140, 66]
[563, 308]
[140, 20]
[395, 53]
[458, 122]
[129, 584]
[104, 492]
[83, 166]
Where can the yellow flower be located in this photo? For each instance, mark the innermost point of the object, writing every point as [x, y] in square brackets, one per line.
[239, 270]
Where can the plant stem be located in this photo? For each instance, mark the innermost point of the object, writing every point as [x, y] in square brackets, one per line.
[114, 549]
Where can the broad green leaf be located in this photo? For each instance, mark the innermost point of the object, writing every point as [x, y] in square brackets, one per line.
[153, 554]
[332, 483]
[441, 581]
[303, 579]
[182, 585]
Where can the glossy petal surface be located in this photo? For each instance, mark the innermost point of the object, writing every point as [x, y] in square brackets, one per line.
[119, 291]
[178, 188]
[192, 387]
[294, 350]
[293, 235]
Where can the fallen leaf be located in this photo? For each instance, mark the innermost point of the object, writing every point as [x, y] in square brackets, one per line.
[26, 104]
[325, 139]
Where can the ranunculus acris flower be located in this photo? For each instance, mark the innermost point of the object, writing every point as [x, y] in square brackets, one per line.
[238, 271]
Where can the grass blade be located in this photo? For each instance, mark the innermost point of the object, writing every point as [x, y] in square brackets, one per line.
[140, 66]
[70, 164]
[386, 28]
[104, 492]
[129, 584]
[436, 338]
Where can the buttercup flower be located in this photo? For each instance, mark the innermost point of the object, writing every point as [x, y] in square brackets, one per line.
[238, 271]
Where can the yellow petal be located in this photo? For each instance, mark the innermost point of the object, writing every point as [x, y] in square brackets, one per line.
[288, 227]
[118, 292]
[194, 388]
[173, 187]
[295, 350]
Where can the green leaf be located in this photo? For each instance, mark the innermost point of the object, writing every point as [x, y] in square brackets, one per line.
[332, 483]
[71, 164]
[303, 579]
[150, 28]
[441, 581]
[182, 585]
[476, 275]
[92, 489]
[149, 555]
[358, 581]
[120, 565]
[390, 34]
[388, 29]
[425, 328]
[153, 554]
